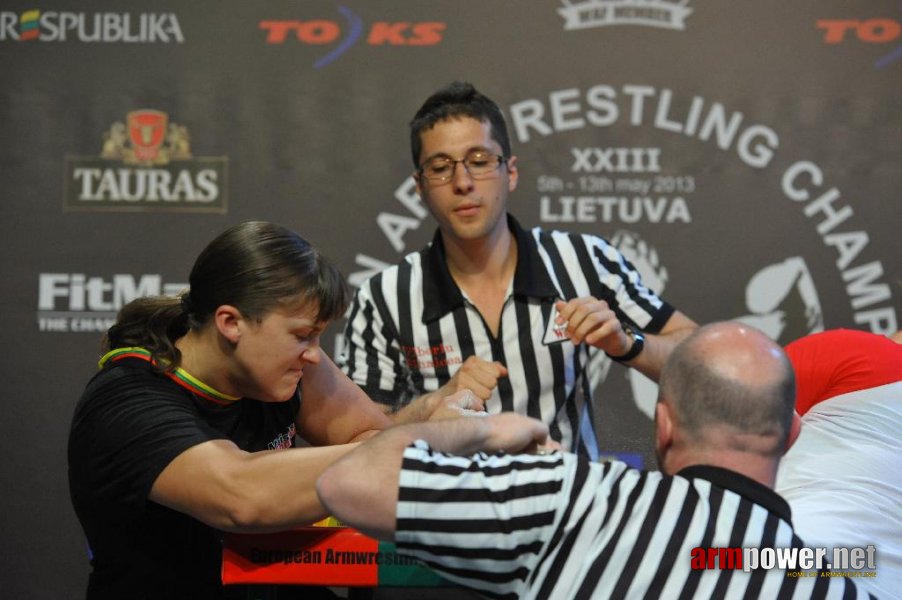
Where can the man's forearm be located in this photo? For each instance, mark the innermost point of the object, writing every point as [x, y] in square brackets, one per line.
[658, 348]
[361, 489]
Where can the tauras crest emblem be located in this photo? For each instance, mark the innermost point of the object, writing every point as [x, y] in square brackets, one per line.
[146, 138]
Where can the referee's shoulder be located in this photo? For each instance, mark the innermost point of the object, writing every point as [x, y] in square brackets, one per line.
[390, 271]
[558, 236]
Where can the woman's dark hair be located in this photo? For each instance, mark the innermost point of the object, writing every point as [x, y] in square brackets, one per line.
[254, 266]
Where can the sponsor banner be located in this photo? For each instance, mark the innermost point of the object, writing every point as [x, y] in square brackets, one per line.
[338, 556]
[78, 303]
[63, 26]
[146, 164]
[337, 35]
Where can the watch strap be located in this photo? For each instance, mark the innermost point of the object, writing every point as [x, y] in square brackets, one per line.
[635, 349]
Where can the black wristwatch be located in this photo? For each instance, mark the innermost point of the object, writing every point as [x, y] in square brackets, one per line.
[635, 349]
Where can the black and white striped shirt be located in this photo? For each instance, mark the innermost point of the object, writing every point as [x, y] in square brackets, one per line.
[559, 526]
[410, 328]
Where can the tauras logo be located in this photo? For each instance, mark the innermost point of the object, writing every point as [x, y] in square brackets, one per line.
[78, 302]
[146, 164]
[601, 13]
[54, 26]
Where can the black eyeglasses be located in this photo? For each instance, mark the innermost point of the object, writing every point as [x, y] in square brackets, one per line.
[479, 165]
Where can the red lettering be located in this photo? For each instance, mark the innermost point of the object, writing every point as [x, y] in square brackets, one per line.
[716, 558]
[835, 30]
[318, 32]
[879, 31]
[427, 34]
[698, 558]
[277, 30]
[392, 33]
[872, 31]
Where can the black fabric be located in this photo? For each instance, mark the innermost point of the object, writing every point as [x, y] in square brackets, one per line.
[130, 423]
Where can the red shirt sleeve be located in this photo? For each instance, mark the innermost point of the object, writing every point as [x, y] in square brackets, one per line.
[840, 361]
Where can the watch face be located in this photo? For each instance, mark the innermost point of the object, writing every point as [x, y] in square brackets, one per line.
[635, 348]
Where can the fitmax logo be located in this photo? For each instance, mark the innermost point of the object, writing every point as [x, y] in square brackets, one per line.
[76, 302]
[322, 32]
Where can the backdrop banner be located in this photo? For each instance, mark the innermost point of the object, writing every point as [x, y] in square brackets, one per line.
[744, 157]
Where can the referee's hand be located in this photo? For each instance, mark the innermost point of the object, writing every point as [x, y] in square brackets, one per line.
[477, 375]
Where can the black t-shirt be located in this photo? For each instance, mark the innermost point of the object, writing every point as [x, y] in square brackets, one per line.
[129, 424]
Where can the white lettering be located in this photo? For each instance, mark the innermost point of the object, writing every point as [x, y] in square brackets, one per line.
[600, 106]
[757, 155]
[407, 195]
[395, 226]
[98, 27]
[528, 114]
[93, 293]
[608, 209]
[146, 185]
[861, 287]
[8, 26]
[564, 103]
[372, 266]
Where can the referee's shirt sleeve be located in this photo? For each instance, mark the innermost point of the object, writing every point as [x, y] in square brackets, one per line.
[482, 521]
[630, 297]
[368, 357]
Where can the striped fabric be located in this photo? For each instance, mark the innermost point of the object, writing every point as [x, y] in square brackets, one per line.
[558, 526]
[410, 328]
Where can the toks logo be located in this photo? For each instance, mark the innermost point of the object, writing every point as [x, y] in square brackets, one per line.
[146, 164]
[868, 31]
[322, 32]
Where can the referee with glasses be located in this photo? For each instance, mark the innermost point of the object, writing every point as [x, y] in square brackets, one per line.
[523, 318]
[554, 525]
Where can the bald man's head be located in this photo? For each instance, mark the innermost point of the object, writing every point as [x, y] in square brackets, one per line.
[730, 385]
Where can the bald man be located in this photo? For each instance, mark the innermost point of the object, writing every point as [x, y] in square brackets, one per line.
[553, 525]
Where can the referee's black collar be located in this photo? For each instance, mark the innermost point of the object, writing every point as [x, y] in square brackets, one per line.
[441, 294]
[744, 486]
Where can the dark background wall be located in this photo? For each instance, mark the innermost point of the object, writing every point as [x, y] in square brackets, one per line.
[744, 155]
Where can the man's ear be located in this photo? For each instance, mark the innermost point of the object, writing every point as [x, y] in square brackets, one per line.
[229, 322]
[663, 429]
[795, 428]
[513, 175]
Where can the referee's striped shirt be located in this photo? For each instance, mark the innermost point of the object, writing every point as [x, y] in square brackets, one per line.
[410, 328]
[560, 527]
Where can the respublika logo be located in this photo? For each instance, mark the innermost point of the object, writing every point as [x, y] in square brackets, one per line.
[54, 26]
[601, 13]
[77, 302]
[864, 31]
[146, 164]
[338, 36]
